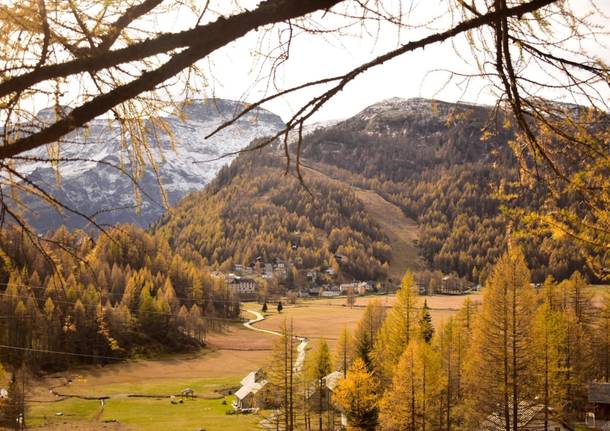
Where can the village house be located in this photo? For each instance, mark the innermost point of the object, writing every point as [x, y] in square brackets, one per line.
[329, 293]
[453, 285]
[314, 291]
[312, 276]
[313, 395]
[599, 398]
[242, 286]
[329, 290]
[281, 270]
[268, 271]
[254, 392]
[359, 288]
[530, 418]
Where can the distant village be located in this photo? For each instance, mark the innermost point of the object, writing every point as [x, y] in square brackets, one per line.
[263, 280]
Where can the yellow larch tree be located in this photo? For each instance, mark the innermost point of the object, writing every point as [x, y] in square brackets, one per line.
[412, 401]
[498, 371]
[358, 396]
[345, 352]
[602, 340]
[579, 314]
[399, 328]
[549, 336]
[367, 331]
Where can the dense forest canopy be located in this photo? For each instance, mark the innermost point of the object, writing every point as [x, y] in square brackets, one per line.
[449, 167]
[127, 293]
[252, 211]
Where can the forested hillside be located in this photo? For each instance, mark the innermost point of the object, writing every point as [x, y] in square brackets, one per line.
[450, 167]
[126, 294]
[252, 210]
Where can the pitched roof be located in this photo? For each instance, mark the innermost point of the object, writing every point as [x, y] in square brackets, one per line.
[251, 388]
[250, 385]
[526, 412]
[333, 379]
[599, 393]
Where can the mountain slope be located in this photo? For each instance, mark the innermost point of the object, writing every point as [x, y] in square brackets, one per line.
[94, 185]
[401, 231]
[253, 212]
[403, 184]
[436, 161]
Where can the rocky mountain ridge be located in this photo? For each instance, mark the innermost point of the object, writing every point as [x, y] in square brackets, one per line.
[91, 180]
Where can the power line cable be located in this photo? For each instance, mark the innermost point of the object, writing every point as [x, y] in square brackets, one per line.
[131, 310]
[58, 352]
[99, 291]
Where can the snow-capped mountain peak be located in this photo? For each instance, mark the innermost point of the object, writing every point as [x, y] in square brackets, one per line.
[91, 178]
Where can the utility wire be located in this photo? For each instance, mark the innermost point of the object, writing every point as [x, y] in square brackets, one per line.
[131, 310]
[110, 293]
[58, 352]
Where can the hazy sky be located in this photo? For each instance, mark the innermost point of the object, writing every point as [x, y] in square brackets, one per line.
[312, 58]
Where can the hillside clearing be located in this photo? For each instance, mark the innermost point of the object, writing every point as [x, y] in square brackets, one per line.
[402, 232]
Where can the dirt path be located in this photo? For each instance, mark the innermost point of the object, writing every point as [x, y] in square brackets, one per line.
[301, 348]
[270, 422]
[401, 230]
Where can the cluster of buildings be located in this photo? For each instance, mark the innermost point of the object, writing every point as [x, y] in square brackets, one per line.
[279, 269]
[355, 288]
[246, 280]
[256, 392]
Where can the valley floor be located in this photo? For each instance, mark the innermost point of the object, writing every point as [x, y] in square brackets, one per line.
[211, 373]
[217, 369]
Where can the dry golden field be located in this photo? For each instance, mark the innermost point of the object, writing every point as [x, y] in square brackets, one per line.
[328, 316]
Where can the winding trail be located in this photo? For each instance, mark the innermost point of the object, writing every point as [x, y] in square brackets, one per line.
[269, 423]
[301, 348]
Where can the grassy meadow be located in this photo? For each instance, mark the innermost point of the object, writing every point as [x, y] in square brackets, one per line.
[147, 414]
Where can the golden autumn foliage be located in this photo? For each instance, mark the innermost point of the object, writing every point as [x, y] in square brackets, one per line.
[412, 401]
[499, 365]
[399, 328]
[357, 396]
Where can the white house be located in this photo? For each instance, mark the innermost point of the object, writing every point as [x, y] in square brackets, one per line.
[242, 286]
[358, 288]
[252, 392]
